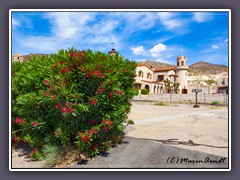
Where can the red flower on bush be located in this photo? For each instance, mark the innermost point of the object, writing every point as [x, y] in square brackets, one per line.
[91, 121]
[72, 54]
[64, 70]
[80, 55]
[24, 140]
[45, 82]
[56, 133]
[107, 143]
[102, 75]
[34, 123]
[18, 120]
[15, 139]
[92, 131]
[124, 70]
[111, 71]
[58, 106]
[110, 122]
[50, 87]
[64, 109]
[34, 151]
[100, 90]
[111, 94]
[93, 102]
[85, 139]
[27, 156]
[105, 128]
[127, 111]
[46, 93]
[97, 73]
[89, 74]
[104, 121]
[70, 110]
[118, 92]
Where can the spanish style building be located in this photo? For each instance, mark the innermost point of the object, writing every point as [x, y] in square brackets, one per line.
[153, 78]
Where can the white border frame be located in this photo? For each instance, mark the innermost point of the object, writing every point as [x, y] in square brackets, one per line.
[120, 10]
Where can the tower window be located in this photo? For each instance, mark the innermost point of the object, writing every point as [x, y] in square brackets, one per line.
[182, 63]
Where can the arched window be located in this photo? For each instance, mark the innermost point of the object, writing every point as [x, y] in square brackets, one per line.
[149, 76]
[182, 63]
[140, 74]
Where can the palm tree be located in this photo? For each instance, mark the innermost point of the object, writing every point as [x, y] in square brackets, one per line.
[168, 85]
[175, 87]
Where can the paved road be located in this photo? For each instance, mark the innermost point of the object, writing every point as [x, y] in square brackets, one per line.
[142, 153]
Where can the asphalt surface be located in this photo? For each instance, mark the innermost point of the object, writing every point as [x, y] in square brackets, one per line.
[142, 153]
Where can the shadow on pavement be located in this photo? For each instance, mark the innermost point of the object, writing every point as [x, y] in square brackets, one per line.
[142, 153]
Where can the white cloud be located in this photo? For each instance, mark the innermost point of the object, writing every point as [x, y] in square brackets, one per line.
[157, 49]
[169, 21]
[15, 22]
[138, 50]
[214, 46]
[68, 24]
[226, 40]
[169, 55]
[201, 17]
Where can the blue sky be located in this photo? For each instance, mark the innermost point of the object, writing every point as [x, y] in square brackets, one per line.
[137, 36]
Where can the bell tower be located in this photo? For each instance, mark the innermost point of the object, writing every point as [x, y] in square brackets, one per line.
[182, 72]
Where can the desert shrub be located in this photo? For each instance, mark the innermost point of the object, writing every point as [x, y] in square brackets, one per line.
[144, 91]
[215, 103]
[71, 98]
[160, 104]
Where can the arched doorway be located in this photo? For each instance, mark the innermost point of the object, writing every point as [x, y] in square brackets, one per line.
[147, 87]
[184, 91]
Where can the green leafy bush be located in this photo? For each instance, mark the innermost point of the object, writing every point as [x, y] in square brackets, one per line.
[144, 91]
[71, 98]
[215, 102]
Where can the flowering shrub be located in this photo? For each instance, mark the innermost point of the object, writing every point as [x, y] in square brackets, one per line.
[71, 98]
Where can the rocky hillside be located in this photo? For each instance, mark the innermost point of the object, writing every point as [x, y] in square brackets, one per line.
[207, 68]
[156, 64]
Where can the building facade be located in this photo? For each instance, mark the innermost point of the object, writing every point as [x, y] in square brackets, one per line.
[153, 78]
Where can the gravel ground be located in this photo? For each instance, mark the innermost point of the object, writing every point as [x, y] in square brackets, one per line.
[205, 127]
